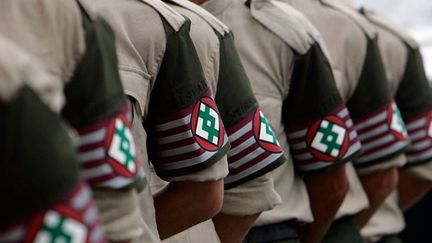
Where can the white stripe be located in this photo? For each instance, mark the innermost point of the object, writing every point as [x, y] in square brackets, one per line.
[93, 137]
[298, 146]
[418, 135]
[117, 182]
[174, 138]
[422, 156]
[173, 124]
[421, 145]
[242, 146]
[179, 150]
[187, 162]
[368, 146]
[246, 128]
[304, 156]
[372, 121]
[353, 148]
[381, 153]
[298, 134]
[81, 200]
[15, 235]
[416, 124]
[97, 234]
[91, 155]
[353, 134]
[257, 167]
[91, 216]
[343, 113]
[257, 152]
[97, 171]
[374, 132]
[349, 123]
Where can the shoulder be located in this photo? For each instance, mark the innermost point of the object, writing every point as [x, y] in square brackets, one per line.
[387, 25]
[287, 23]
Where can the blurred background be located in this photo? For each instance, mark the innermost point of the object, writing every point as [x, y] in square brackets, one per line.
[416, 16]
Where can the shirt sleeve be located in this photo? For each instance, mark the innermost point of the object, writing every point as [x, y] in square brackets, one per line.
[376, 116]
[318, 125]
[255, 149]
[185, 131]
[96, 106]
[414, 97]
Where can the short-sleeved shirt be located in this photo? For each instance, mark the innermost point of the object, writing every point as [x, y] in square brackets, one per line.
[77, 54]
[288, 69]
[409, 86]
[359, 69]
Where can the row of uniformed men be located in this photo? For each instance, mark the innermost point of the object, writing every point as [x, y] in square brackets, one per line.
[323, 164]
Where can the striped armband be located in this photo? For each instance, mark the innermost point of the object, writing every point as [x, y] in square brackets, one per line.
[255, 149]
[420, 134]
[382, 134]
[189, 140]
[107, 153]
[325, 142]
[72, 219]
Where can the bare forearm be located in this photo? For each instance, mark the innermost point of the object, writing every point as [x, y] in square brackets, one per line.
[182, 205]
[327, 191]
[378, 187]
[233, 229]
[411, 189]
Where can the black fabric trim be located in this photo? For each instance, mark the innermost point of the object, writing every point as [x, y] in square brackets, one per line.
[259, 173]
[372, 91]
[180, 81]
[38, 162]
[417, 163]
[313, 91]
[234, 97]
[95, 91]
[414, 95]
[195, 168]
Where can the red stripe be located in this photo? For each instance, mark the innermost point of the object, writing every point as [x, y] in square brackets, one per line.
[371, 127]
[412, 151]
[381, 147]
[418, 117]
[241, 139]
[373, 113]
[91, 146]
[93, 127]
[175, 116]
[376, 136]
[173, 131]
[93, 163]
[101, 179]
[176, 144]
[249, 164]
[299, 151]
[417, 129]
[243, 153]
[180, 157]
[240, 124]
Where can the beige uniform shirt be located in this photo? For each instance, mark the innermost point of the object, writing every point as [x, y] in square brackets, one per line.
[268, 50]
[54, 36]
[395, 45]
[347, 34]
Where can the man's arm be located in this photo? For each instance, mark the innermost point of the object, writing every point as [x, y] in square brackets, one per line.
[327, 190]
[378, 187]
[184, 204]
[231, 228]
[411, 189]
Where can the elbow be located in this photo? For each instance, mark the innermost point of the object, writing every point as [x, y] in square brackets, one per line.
[329, 188]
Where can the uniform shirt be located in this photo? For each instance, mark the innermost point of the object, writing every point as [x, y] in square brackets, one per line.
[77, 54]
[36, 141]
[290, 75]
[162, 73]
[409, 86]
[361, 80]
